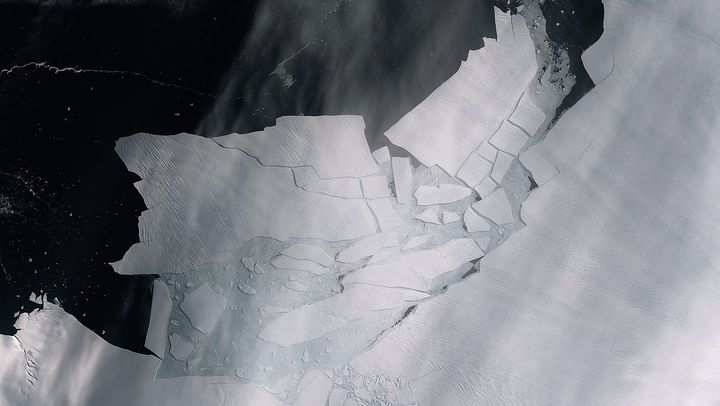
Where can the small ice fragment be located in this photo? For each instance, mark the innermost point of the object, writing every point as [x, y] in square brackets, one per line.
[160, 310]
[527, 115]
[416, 242]
[449, 217]
[502, 164]
[429, 215]
[496, 207]
[509, 138]
[246, 289]
[487, 151]
[474, 222]
[444, 193]
[485, 187]
[285, 262]
[474, 170]
[366, 247]
[309, 252]
[203, 307]
[385, 214]
[403, 178]
[179, 348]
[540, 168]
[375, 187]
[381, 155]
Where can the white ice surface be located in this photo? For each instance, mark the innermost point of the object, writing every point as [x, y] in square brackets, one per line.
[310, 253]
[340, 187]
[76, 367]
[496, 207]
[416, 242]
[156, 337]
[286, 262]
[417, 269]
[334, 146]
[179, 348]
[367, 247]
[509, 138]
[317, 319]
[527, 115]
[444, 193]
[431, 215]
[501, 166]
[474, 222]
[381, 155]
[375, 187]
[403, 178]
[474, 170]
[385, 214]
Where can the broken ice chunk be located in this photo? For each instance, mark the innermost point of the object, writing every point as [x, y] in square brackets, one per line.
[429, 215]
[487, 151]
[449, 217]
[156, 336]
[474, 170]
[179, 348]
[285, 262]
[375, 187]
[309, 252]
[527, 115]
[366, 247]
[485, 187]
[403, 177]
[385, 214]
[417, 269]
[502, 164]
[509, 138]
[418, 241]
[381, 155]
[474, 222]
[203, 307]
[540, 168]
[444, 193]
[339, 187]
[496, 207]
[246, 289]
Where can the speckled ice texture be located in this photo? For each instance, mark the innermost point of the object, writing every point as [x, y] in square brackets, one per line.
[508, 262]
